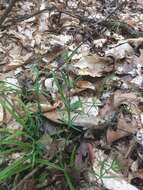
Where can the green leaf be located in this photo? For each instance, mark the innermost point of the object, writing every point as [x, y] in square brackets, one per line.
[49, 164]
[76, 105]
[16, 167]
[71, 187]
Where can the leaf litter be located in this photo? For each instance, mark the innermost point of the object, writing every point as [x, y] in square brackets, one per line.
[71, 95]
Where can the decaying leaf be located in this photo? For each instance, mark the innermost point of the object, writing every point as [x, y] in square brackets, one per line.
[110, 179]
[136, 42]
[124, 128]
[84, 113]
[80, 86]
[121, 51]
[125, 98]
[94, 65]
[85, 85]
[1, 114]
[44, 107]
[17, 61]
[61, 38]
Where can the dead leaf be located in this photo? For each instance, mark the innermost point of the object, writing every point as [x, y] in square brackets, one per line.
[111, 179]
[107, 110]
[84, 115]
[1, 114]
[135, 42]
[17, 61]
[85, 85]
[29, 185]
[7, 117]
[44, 107]
[124, 98]
[94, 65]
[91, 152]
[120, 51]
[82, 153]
[124, 128]
[138, 174]
[80, 86]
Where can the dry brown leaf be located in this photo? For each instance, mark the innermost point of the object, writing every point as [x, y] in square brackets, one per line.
[107, 110]
[29, 185]
[86, 121]
[126, 124]
[124, 128]
[53, 116]
[85, 116]
[138, 59]
[124, 98]
[125, 49]
[138, 174]
[120, 51]
[7, 117]
[17, 61]
[82, 84]
[111, 179]
[1, 114]
[94, 65]
[44, 107]
[135, 42]
[81, 152]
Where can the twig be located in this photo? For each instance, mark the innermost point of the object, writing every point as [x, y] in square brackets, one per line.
[7, 11]
[86, 39]
[50, 8]
[117, 8]
[26, 178]
[124, 28]
[25, 17]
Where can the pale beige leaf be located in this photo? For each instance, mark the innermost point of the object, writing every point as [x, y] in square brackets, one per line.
[1, 114]
[94, 65]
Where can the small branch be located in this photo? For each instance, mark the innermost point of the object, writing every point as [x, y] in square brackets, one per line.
[123, 28]
[25, 17]
[13, 21]
[26, 178]
[50, 8]
[7, 11]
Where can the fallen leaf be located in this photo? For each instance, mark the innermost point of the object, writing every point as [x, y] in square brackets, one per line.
[82, 152]
[120, 51]
[17, 61]
[85, 85]
[124, 98]
[124, 128]
[138, 174]
[29, 185]
[110, 179]
[84, 113]
[135, 42]
[1, 114]
[107, 110]
[44, 107]
[94, 66]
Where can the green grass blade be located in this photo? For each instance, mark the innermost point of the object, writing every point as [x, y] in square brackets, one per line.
[49, 164]
[71, 187]
[15, 167]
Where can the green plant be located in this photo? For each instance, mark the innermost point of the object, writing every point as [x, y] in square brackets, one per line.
[106, 167]
[64, 90]
[23, 141]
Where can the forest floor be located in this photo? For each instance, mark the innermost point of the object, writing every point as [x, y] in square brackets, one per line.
[71, 95]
